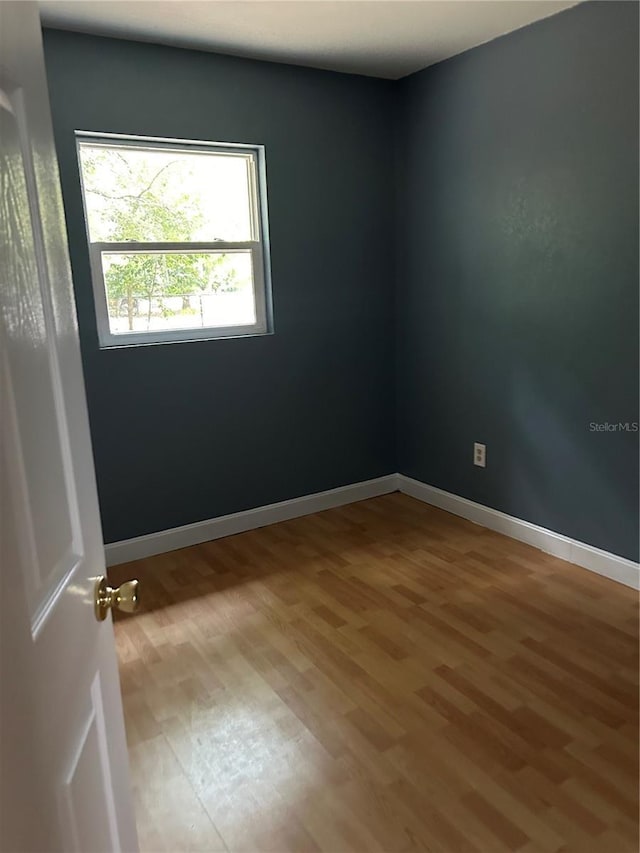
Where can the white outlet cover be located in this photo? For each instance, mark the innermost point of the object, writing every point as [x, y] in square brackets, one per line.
[480, 455]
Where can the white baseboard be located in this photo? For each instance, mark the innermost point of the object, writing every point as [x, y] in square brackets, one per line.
[602, 562]
[239, 522]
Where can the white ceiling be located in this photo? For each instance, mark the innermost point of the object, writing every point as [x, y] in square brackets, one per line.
[386, 38]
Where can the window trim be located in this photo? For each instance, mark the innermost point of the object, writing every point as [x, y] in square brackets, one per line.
[258, 246]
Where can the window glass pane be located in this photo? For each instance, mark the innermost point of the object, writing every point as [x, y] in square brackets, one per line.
[153, 291]
[158, 195]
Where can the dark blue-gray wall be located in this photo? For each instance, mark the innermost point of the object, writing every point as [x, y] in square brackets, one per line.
[495, 194]
[517, 286]
[190, 431]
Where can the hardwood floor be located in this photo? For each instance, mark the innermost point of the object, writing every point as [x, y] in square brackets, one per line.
[380, 677]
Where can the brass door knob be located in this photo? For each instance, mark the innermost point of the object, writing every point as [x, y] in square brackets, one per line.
[125, 597]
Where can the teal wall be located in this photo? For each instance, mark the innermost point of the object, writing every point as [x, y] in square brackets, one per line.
[190, 431]
[454, 259]
[518, 279]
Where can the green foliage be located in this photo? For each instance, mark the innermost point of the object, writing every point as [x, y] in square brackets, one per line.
[138, 198]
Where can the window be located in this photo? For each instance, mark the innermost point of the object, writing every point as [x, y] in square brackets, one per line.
[177, 238]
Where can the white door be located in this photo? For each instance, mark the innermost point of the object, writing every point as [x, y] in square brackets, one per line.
[63, 760]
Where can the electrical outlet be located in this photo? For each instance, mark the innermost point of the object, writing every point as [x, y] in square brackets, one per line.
[480, 455]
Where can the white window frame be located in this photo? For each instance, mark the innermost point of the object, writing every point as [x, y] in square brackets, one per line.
[258, 246]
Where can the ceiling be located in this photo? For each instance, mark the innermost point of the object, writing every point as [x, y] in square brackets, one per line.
[387, 38]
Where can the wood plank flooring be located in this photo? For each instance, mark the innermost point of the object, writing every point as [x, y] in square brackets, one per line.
[380, 677]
